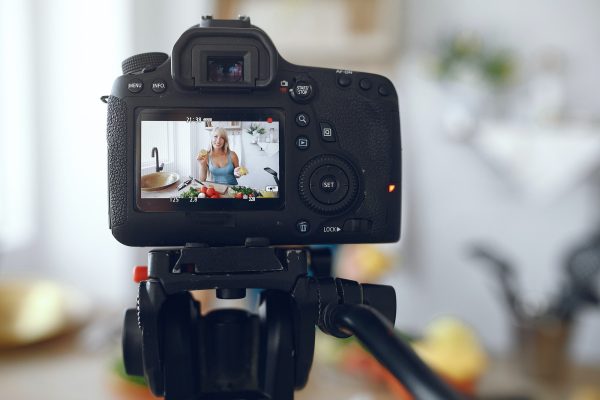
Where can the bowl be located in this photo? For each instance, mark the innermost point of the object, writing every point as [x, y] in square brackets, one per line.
[158, 181]
[38, 310]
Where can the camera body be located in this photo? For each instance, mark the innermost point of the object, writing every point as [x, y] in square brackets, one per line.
[252, 146]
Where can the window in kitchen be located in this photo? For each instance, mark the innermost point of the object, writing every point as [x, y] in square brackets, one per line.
[17, 124]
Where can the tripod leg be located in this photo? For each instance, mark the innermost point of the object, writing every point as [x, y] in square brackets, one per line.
[278, 345]
[178, 319]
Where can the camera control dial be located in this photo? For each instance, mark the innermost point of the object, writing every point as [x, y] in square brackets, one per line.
[143, 62]
[328, 184]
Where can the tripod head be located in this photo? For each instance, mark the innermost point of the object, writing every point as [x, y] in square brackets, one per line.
[234, 354]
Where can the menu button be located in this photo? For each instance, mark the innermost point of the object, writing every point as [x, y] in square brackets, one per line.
[135, 85]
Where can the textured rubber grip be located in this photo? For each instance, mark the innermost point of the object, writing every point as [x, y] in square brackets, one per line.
[140, 61]
[117, 160]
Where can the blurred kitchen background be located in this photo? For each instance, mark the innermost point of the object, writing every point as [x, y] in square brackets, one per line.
[496, 272]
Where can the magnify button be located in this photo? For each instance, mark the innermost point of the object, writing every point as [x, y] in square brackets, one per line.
[302, 120]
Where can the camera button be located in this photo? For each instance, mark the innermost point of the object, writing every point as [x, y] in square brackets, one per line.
[327, 132]
[159, 86]
[365, 84]
[302, 143]
[302, 120]
[383, 90]
[303, 226]
[135, 85]
[344, 80]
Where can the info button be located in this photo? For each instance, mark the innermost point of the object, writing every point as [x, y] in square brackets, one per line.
[159, 86]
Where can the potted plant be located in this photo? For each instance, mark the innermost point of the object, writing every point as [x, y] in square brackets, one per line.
[255, 130]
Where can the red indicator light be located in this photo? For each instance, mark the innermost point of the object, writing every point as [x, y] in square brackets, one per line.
[269, 120]
[140, 273]
[391, 188]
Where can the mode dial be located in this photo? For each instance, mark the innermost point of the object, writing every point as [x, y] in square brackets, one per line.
[144, 61]
[328, 184]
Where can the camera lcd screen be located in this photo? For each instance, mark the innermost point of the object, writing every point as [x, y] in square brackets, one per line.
[225, 69]
[209, 160]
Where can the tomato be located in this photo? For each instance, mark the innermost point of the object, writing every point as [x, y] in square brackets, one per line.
[215, 196]
[210, 192]
[239, 195]
[203, 189]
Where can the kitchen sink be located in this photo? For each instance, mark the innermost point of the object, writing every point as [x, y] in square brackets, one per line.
[158, 180]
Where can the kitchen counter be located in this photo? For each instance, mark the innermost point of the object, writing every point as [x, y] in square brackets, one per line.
[172, 191]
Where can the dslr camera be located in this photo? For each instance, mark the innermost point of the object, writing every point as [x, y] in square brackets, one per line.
[223, 150]
[226, 141]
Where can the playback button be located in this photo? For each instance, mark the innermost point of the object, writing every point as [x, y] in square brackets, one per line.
[302, 143]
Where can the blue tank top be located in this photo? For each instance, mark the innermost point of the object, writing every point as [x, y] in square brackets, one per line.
[223, 174]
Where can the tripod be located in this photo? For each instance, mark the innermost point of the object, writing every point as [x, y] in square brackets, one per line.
[235, 354]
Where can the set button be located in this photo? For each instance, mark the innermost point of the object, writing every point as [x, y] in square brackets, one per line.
[329, 184]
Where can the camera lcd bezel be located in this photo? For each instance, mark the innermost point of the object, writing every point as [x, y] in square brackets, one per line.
[162, 205]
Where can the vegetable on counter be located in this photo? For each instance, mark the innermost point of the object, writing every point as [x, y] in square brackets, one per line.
[202, 193]
[245, 191]
[190, 193]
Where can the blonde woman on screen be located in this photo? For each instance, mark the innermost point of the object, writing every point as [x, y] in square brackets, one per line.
[220, 163]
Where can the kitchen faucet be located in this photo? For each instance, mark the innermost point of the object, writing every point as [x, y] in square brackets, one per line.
[155, 152]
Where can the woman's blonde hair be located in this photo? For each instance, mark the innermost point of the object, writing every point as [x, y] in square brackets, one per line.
[222, 133]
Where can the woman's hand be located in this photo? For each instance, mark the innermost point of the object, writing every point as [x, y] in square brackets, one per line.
[240, 171]
[203, 158]
[203, 162]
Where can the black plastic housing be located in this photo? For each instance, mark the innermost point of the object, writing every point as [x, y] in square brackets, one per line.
[362, 108]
